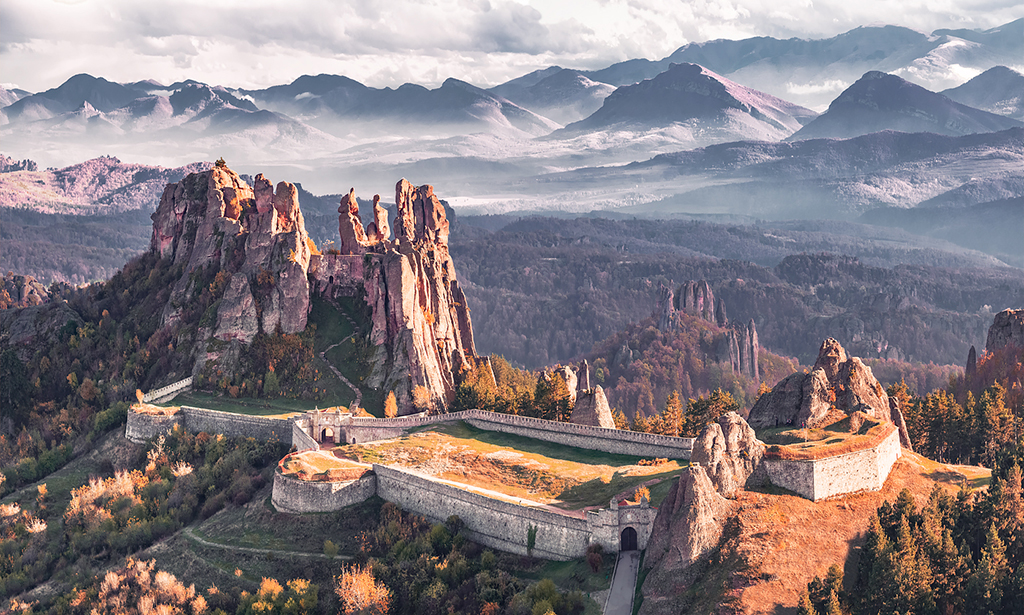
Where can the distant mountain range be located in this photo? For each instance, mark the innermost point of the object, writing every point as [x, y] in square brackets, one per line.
[691, 96]
[812, 72]
[878, 101]
[533, 143]
[999, 90]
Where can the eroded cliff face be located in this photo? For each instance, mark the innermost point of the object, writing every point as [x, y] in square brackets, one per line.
[255, 238]
[730, 452]
[421, 327]
[837, 386]
[251, 244]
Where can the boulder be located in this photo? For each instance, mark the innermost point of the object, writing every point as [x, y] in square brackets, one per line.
[592, 409]
[730, 452]
[837, 386]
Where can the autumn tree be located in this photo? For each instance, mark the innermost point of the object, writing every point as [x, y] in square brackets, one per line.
[360, 593]
[390, 406]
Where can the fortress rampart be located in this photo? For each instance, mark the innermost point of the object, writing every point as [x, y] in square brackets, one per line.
[356, 430]
[826, 477]
[143, 426]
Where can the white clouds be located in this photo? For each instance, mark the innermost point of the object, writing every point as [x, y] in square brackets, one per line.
[254, 43]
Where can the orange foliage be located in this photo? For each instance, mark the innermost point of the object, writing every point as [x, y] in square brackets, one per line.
[361, 593]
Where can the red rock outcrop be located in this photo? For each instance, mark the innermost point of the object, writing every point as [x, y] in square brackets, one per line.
[421, 326]
[729, 451]
[836, 384]
[688, 526]
[214, 221]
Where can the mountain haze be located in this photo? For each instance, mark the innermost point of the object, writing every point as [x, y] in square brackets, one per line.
[998, 90]
[697, 101]
[878, 101]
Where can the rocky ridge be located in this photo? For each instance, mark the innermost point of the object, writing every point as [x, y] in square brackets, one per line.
[255, 237]
[255, 242]
[730, 452]
[737, 345]
[688, 527]
[421, 327]
[1007, 330]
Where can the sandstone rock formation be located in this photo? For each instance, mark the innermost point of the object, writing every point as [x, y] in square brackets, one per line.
[972, 363]
[252, 243]
[737, 345]
[21, 291]
[421, 326]
[688, 526]
[568, 374]
[592, 409]
[896, 416]
[1007, 329]
[214, 222]
[583, 378]
[730, 453]
[835, 387]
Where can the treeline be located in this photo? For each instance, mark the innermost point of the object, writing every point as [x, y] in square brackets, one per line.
[955, 555]
[974, 417]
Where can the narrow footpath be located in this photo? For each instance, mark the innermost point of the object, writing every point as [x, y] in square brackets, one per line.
[216, 545]
[323, 355]
[620, 596]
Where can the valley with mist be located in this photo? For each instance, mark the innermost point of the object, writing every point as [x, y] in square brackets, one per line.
[736, 330]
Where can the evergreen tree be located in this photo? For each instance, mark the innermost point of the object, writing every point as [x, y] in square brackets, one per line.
[673, 415]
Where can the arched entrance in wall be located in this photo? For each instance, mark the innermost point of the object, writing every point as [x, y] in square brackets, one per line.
[628, 540]
[327, 434]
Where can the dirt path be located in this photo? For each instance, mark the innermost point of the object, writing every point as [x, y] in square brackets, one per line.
[323, 355]
[206, 543]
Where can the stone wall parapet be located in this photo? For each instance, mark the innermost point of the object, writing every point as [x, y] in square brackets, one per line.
[167, 390]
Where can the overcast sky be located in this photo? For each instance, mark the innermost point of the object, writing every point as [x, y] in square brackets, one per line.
[257, 43]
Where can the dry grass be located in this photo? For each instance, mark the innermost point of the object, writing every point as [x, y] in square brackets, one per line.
[321, 466]
[155, 410]
[787, 540]
[557, 475]
[830, 441]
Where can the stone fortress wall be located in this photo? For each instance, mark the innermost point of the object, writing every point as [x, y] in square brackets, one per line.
[144, 426]
[355, 430]
[500, 523]
[827, 477]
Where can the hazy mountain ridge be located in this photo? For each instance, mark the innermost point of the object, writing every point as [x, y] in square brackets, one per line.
[998, 90]
[812, 72]
[879, 101]
[691, 93]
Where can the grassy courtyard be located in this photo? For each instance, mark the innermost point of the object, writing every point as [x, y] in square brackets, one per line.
[518, 467]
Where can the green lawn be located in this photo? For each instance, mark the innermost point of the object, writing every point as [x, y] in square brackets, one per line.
[521, 467]
[243, 405]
